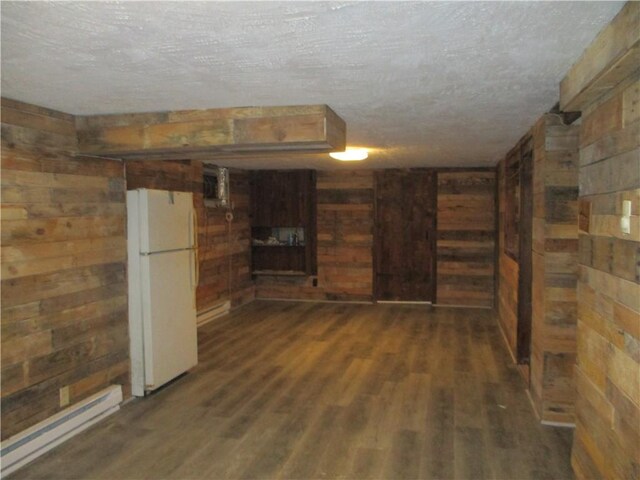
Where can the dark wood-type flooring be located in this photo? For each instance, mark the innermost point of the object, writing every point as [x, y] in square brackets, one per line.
[325, 391]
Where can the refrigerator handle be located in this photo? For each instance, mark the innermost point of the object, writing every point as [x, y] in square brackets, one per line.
[196, 267]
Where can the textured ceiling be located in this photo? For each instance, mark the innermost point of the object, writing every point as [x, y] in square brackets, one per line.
[422, 83]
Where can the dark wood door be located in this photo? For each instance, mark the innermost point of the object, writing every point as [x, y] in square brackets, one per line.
[405, 235]
[280, 198]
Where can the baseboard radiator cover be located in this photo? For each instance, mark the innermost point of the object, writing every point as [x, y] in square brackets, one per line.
[206, 316]
[26, 446]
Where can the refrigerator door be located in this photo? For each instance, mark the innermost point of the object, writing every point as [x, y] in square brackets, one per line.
[168, 315]
[166, 220]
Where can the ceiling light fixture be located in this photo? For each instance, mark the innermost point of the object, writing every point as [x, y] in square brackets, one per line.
[351, 154]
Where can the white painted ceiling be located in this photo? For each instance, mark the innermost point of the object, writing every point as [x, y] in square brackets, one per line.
[421, 83]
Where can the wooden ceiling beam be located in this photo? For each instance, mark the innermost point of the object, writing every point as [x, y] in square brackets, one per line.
[208, 133]
[611, 57]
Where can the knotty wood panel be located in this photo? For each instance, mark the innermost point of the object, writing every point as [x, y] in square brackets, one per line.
[345, 243]
[64, 303]
[224, 247]
[608, 336]
[466, 234]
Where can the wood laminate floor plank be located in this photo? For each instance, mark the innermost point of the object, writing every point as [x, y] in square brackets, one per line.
[329, 391]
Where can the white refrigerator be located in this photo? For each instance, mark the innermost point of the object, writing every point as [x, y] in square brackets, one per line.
[163, 275]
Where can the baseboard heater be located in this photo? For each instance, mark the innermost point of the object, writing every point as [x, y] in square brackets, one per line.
[212, 313]
[28, 445]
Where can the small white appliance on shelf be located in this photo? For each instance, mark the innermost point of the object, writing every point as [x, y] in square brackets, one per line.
[163, 275]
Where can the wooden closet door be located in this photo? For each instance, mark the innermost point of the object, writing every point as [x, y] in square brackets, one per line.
[405, 235]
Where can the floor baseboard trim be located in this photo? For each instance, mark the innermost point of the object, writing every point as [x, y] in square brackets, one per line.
[312, 300]
[402, 302]
[26, 446]
[440, 305]
[210, 314]
[549, 423]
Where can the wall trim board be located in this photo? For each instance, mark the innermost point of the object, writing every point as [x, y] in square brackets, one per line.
[404, 302]
[311, 300]
[506, 341]
[440, 169]
[484, 307]
[559, 424]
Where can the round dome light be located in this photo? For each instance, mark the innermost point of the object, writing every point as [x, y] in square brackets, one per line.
[350, 154]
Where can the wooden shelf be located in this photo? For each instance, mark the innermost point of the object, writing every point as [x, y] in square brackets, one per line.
[283, 199]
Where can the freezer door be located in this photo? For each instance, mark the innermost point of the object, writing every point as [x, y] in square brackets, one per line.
[168, 316]
[167, 220]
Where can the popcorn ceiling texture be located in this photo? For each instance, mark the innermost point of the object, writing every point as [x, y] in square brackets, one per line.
[427, 84]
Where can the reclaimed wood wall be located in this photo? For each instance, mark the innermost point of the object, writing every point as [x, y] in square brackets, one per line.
[508, 272]
[466, 229]
[200, 134]
[64, 292]
[555, 268]
[345, 202]
[604, 85]
[466, 233]
[608, 371]
[224, 247]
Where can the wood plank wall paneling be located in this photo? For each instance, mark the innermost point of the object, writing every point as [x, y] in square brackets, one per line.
[64, 294]
[604, 84]
[466, 238]
[508, 272]
[555, 268]
[345, 240]
[608, 359]
[224, 248]
[345, 243]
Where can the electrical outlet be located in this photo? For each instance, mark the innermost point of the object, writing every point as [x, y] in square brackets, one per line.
[625, 219]
[64, 396]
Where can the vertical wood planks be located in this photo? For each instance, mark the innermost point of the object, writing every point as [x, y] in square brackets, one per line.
[405, 234]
